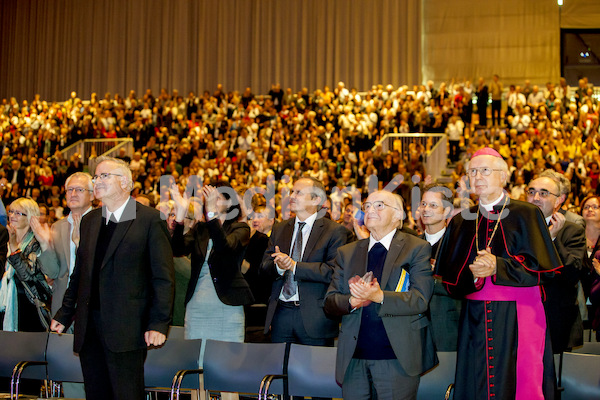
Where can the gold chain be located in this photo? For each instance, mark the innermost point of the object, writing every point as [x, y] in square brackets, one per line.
[495, 227]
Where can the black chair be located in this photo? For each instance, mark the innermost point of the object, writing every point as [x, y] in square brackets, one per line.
[311, 372]
[438, 381]
[63, 363]
[581, 376]
[167, 365]
[18, 352]
[240, 367]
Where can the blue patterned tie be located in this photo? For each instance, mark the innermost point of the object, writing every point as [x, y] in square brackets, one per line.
[290, 286]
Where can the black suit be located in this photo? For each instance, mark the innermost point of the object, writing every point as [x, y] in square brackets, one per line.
[313, 273]
[229, 244]
[562, 310]
[134, 288]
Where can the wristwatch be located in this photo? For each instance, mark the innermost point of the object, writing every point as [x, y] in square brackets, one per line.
[210, 215]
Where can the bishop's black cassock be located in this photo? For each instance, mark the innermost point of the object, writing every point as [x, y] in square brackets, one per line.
[504, 349]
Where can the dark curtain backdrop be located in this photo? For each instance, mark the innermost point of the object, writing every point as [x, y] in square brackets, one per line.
[52, 47]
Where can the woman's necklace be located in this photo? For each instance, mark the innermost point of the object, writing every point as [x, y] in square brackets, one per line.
[495, 227]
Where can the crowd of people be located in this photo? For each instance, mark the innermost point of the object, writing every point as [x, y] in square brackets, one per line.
[280, 148]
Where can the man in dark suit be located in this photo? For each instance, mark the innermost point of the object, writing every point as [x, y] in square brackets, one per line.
[562, 310]
[434, 210]
[385, 342]
[121, 291]
[300, 258]
[59, 246]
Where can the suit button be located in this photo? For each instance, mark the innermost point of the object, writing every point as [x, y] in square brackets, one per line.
[214, 279]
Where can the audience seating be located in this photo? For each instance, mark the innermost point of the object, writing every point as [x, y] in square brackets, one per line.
[581, 376]
[20, 350]
[436, 382]
[250, 367]
[167, 365]
[311, 372]
[240, 367]
[62, 363]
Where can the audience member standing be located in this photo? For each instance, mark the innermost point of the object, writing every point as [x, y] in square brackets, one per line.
[120, 295]
[385, 340]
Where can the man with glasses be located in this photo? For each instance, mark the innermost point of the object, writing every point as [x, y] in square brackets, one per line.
[562, 310]
[120, 295]
[59, 246]
[495, 255]
[434, 211]
[381, 288]
[299, 259]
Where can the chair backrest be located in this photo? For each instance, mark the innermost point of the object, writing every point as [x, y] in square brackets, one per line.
[176, 332]
[23, 346]
[588, 348]
[435, 382]
[240, 367]
[162, 363]
[311, 371]
[63, 363]
[581, 376]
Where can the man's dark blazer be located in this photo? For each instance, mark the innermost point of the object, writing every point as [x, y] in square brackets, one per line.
[313, 273]
[225, 260]
[562, 310]
[136, 280]
[444, 311]
[403, 313]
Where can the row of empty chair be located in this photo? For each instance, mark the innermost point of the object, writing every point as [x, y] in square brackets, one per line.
[296, 370]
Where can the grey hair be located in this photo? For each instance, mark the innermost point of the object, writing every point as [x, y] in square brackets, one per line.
[562, 182]
[83, 175]
[122, 167]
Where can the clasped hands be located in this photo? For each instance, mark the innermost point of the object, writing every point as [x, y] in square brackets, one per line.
[364, 290]
[282, 260]
[484, 264]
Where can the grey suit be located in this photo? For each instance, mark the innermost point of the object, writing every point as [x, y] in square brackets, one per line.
[56, 261]
[403, 313]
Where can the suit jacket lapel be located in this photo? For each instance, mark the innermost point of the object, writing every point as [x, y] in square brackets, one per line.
[362, 259]
[288, 232]
[315, 234]
[202, 241]
[393, 253]
[94, 231]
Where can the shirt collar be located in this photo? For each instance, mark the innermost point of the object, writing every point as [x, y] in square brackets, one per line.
[309, 221]
[70, 216]
[386, 241]
[118, 212]
[435, 237]
[490, 207]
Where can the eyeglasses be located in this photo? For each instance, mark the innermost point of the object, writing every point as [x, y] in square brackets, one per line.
[377, 206]
[484, 171]
[543, 193]
[103, 176]
[79, 190]
[433, 206]
[17, 213]
[591, 206]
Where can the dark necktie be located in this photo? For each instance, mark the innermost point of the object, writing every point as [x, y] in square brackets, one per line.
[290, 286]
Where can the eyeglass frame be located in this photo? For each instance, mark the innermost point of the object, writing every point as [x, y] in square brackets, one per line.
[543, 193]
[377, 206]
[103, 176]
[472, 172]
[79, 190]
[592, 206]
[18, 213]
